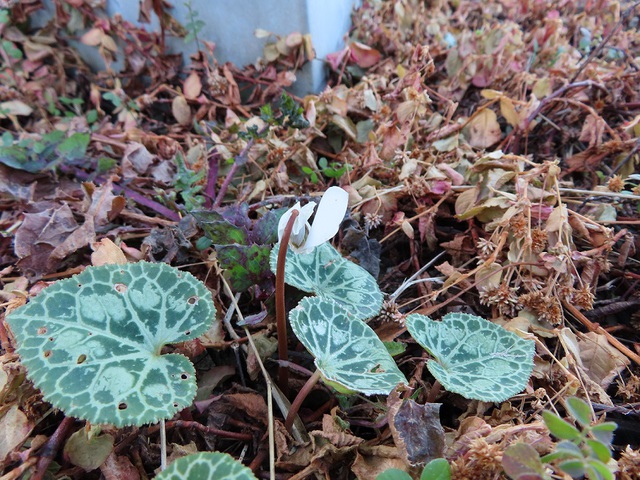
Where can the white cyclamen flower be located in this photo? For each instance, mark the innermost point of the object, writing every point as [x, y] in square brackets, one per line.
[304, 237]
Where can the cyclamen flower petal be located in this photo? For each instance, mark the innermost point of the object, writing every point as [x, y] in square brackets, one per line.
[304, 237]
[330, 213]
[301, 226]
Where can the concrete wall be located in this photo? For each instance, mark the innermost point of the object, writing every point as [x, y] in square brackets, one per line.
[231, 25]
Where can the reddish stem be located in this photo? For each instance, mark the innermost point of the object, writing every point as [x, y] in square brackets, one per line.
[302, 394]
[281, 317]
[434, 392]
[212, 179]
[50, 450]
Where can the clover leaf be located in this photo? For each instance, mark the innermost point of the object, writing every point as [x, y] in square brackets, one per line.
[474, 357]
[347, 352]
[330, 276]
[92, 343]
[206, 466]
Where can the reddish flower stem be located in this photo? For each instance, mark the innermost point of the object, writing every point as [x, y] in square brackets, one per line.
[302, 394]
[281, 318]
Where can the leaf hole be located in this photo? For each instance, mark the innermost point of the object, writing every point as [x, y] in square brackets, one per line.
[89, 333]
[81, 359]
[185, 376]
[120, 287]
[193, 300]
[42, 330]
[175, 405]
[122, 406]
[79, 285]
[47, 353]
[377, 369]
[51, 339]
[187, 333]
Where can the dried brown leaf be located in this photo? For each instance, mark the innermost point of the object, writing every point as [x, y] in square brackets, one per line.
[181, 110]
[416, 429]
[16, 429]
[602, 362]
[39, 234]
[192, 86]
[483, 130]
[105, 252]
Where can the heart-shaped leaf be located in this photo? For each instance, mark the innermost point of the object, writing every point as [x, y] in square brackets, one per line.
[474, 357]
[206, 466]
[92, 342]
[347, 351]
[220, 230]
[245, 265]
[330, 276]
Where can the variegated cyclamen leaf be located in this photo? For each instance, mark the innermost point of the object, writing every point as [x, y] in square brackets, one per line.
[206, 466]
[327, 274]
[92, 342]
[474, 357]
[347, 351]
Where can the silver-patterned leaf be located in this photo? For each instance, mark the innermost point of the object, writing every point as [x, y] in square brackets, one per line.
[474, 357]
[327, 274]
[206, 466]
[92, 342]
[347, 351]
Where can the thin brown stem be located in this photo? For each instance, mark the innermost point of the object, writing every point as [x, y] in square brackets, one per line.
[434, 392]
[302, 394]
[281, 314]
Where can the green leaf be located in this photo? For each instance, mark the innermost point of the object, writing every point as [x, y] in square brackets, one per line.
[92, 342]
[474, 357]
[393, 474]
[575, 468]
[206, 466]
[92, 116]
[88, 450]
[604, 432]
[521, 460]
[105, 164]
[600, 450]
[15, 156]
[395, 348]
[75, 146]
[579, 409]
[597, 470]
[265, 230]
[564, 450]
[113, 98]
[244, 265]
[347, 351]
[219, 230]
[560, 428]
[327, 274]
[437, 469]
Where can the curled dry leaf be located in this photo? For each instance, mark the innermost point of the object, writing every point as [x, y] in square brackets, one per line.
[181, 110]
[15, 107]
[93, 37]
[192, 86]
[363, 55]
[416, 429]
[16, 429]
[106, 252]
[483, 130]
